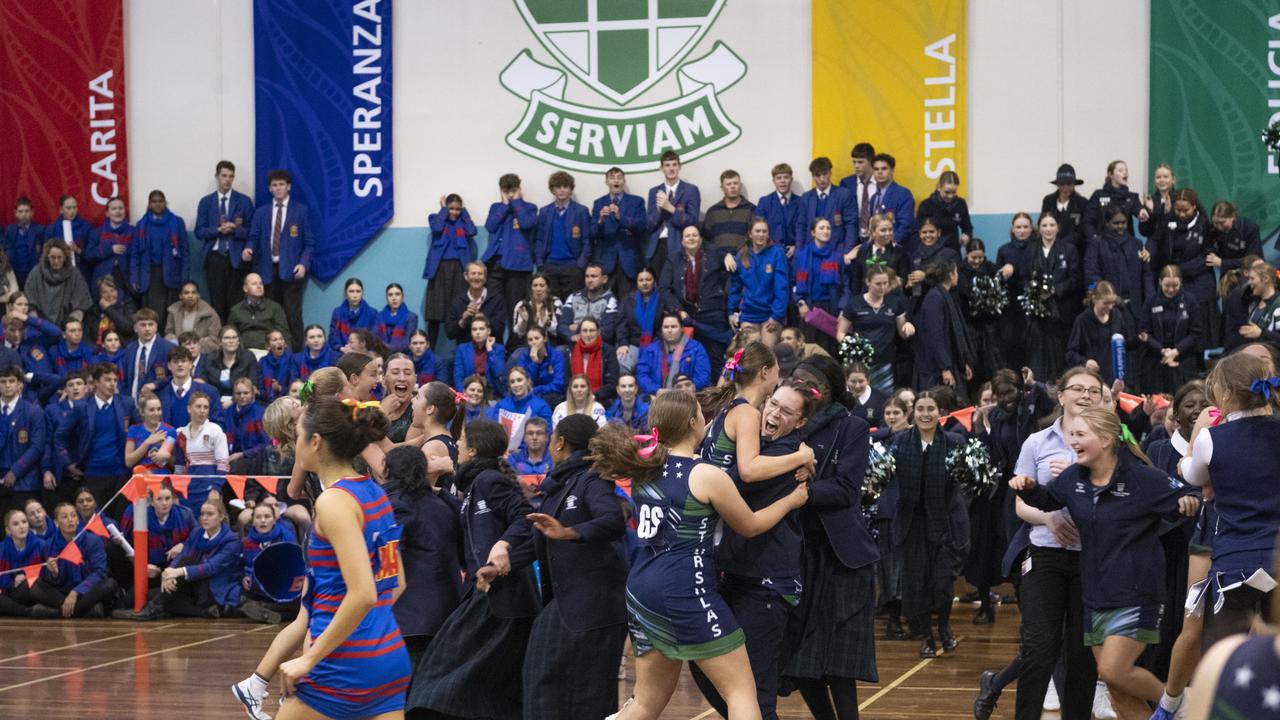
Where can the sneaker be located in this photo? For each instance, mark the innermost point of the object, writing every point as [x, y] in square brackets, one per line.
[1161, 714]
[1102, 709]
[927, 648]
[44, 612]
[252, 703]
[949, 640]
[258, 612]
[985, 704]
[1051, 701]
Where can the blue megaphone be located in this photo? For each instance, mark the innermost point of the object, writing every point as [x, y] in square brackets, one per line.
[280, 571]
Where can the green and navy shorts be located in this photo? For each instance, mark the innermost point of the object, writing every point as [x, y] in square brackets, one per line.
[1139, 622]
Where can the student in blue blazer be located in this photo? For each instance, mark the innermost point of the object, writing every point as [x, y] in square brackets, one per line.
[619, 232]
[175, 393]
[452, 245]
[73, 589]
[544, 364]
[72, 229]
[351, 315]
[579, 631]
[760, 289]
[509, 254]
[671, 355]
[107, 250]
[484, 356]
[158, 262]
[893, 198]
[147, 350]
[673, 205]
[282, 258]
[561, 246]
[22, 241]
[35, 361]
[89, 442]
[828, 201]
[222, 220]
[780, 207]
[24, 437]
[204, 581]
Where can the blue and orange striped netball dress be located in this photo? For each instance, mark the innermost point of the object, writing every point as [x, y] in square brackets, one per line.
[369, 672]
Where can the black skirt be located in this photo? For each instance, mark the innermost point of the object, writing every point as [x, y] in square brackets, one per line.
[929, 570]
[442, 289]
[889, 566]
[1046, 348]
[987, 539]
[472, 669]
[832, 631]
[569, 674]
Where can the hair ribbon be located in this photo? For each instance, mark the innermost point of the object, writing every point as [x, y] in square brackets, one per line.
[1215, 416]
[732, 367]
[305, 392]
[459, 398]
[1126, 435]
[1263, 387]
[356, 406]
[649, 443]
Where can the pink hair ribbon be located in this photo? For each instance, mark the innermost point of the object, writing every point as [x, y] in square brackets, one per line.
[732, 367]
[649, 443]
[459, 398]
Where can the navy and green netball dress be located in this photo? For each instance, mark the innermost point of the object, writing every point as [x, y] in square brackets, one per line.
[672, 600]
[717, 447]
[367, 674]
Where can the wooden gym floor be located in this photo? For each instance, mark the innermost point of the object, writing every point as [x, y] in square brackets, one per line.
[183, 669]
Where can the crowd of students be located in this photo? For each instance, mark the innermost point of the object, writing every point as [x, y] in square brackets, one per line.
[588, 332]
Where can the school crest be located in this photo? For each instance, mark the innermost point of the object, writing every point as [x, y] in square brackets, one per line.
[621, 49]
[293, 231]
[22, 437]
[576, 232]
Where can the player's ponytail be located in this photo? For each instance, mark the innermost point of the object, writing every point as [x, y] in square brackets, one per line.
[346, 426]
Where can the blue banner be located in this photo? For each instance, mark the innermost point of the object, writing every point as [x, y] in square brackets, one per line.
[323, 90]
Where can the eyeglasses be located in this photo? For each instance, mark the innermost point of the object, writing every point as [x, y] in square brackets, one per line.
[1082, 390]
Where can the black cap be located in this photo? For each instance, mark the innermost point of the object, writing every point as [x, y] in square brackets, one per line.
[1066, 176]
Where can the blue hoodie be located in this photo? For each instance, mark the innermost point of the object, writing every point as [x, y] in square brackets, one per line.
[760, 292]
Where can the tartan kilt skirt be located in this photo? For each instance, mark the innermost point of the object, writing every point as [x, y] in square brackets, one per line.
[832, 631]
[570, 675]
[472, 669]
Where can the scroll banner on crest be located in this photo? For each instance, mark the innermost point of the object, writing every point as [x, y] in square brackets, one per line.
[1215, 86]
[634, 137]
[62, 105]
[901, 87]
[323, 112]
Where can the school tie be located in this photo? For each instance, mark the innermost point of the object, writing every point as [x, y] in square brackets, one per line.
[275, 231]
[222, 244]
[142, 369]
[864, 209]
[784, 201]
[822, 196]
[181, 393]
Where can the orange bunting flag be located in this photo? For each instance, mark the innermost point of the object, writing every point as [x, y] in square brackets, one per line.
[135, 488]
[532, 481]
[32, 572]
[237, 484]
[1128, 401]
[179, 482]
[96, 527]
[71, 553]
[964, 417]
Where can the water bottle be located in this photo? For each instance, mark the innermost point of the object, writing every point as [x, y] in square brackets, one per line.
[1117, 355]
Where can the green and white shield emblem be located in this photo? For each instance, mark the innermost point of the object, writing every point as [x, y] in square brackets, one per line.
[620, 49]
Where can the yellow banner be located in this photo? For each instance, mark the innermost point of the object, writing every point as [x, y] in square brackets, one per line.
[893, 74]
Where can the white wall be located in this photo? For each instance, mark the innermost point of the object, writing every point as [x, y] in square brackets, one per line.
[1054, 81]
[1051, 81]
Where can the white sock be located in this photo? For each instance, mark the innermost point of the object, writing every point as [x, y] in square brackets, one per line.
[258, 685]
[1170, 702]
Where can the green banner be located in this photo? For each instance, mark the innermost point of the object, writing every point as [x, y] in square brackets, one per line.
[1211, 65]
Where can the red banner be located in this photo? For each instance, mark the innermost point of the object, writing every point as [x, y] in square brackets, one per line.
[62, 106]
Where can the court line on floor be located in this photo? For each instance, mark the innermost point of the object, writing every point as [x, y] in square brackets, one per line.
[897, 681]
[133, 658]
[131, 633]
[865, 704]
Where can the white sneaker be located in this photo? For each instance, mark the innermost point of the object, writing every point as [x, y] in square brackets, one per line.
[1051, 702]
[252, 704]
[1102, 709]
